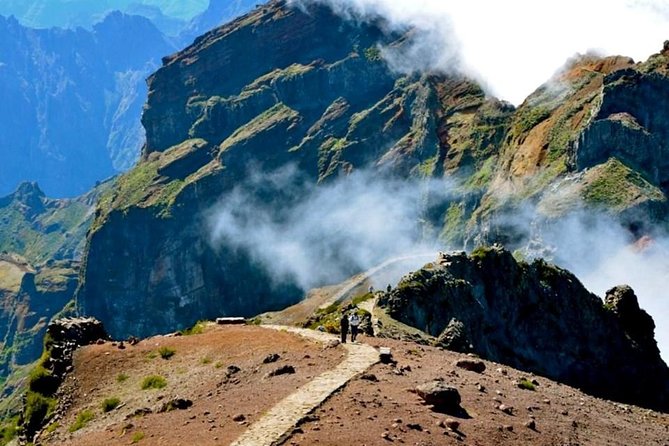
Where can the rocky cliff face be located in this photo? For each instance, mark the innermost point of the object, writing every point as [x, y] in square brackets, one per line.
[313, 92]
[29, 298]
[41, 240]
[594, 135]
[72, 101]
[536, 317]
[285, 86]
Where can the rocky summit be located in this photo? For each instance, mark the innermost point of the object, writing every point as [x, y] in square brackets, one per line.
[539, 318]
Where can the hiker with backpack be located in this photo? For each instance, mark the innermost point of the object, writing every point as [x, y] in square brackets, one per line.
[354, 322]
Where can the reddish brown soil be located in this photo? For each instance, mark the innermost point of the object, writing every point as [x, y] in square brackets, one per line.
[197, 372]
[359, 414]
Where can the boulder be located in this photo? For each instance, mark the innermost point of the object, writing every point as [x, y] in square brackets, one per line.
[440, 395]
[471, 364]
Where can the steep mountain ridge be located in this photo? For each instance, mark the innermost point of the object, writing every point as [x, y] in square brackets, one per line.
[315, 93]
[40, 228]
[282, 86]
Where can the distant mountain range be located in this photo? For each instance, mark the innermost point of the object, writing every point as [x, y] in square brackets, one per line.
[73, 13]
[72, 98]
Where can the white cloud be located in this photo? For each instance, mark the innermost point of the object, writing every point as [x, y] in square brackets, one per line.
[514, 46]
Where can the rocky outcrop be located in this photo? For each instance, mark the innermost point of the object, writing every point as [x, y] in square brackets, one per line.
[539, 318]
[63, 337]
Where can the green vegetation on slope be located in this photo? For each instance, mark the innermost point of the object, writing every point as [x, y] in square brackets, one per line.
[616, 186]
[39, 228]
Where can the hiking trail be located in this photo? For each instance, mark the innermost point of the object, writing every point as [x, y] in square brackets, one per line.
[277, 424]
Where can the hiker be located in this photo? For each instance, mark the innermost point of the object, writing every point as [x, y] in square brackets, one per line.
[344, 326]
[389, 288]
[354, 321]
[371, 289]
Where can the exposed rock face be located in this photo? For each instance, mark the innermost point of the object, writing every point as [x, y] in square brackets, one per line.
[29, 298]
[283, 86]
[313, 92]
[539, 318]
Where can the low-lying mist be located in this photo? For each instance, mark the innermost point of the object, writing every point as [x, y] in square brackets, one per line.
[512, 46]
[312, 235]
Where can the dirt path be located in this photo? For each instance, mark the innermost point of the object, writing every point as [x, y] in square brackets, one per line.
[344, 292]
[279, 422]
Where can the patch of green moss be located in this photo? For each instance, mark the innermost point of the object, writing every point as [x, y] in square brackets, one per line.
[527, 385]
[357, 300]
[110, 404]
[268, 119]
[427, 167]
[198, 328]
[38, 408]
[166, 352]
[133, 186]
[121, 377]
[167, 197]
[482, 176]
[8, 430]
[480, 253]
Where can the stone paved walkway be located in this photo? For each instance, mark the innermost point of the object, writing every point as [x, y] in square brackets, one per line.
[279, 422]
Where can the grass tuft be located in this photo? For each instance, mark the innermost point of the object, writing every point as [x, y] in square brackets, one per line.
[110, 404]
[153, 382]
[166, 352]
[82, 420]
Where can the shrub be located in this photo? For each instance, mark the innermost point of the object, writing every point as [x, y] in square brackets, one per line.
[82, 420]
[206, 360]
[40, 380]
[110, 404]
[137, 437]
[153, 382]
[198, 328]
[527, 385]
[37, 408]
[8, 431]
[166, 352]
[121, 377]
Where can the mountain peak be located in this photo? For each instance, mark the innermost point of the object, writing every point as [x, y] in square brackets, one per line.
[28, 192]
